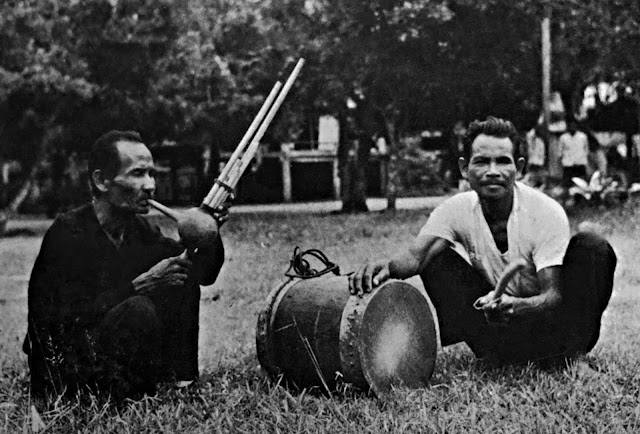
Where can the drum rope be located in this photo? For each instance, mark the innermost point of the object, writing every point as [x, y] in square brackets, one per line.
[301, 268]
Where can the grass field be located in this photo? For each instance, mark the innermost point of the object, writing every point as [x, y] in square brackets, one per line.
[234, 396]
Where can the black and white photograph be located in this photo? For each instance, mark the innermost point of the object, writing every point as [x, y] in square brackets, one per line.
[319, 216]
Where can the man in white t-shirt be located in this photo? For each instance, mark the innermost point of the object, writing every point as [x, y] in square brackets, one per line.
[551, 310]
[575, 150]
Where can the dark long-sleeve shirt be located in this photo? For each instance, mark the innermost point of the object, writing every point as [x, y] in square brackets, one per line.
[79, 275]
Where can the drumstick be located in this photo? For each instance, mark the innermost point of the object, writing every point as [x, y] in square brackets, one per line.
[234, 176]
[243, 142]
[506, 276]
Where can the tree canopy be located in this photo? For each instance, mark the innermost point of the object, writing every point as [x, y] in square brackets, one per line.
[196, 71]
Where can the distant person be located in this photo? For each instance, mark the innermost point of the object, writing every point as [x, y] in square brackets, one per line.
[113, 304]
[353, 159]
[551, 310]
[454, 152]
[597, 158]
[574, 145]
[536, 173]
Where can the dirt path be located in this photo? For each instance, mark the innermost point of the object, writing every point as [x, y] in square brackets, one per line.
[374, 204]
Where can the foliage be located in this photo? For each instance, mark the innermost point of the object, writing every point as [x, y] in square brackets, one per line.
[599, 191]
[415, 172]
[422, 63]
[430, 63]
[196, 71]
[41, 80]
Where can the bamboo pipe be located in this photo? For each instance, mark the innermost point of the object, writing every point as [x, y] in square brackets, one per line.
[221, 195]
[265, 124]
[243, 142]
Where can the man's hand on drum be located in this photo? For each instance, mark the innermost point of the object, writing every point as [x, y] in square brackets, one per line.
[406, 263]
[368, 277]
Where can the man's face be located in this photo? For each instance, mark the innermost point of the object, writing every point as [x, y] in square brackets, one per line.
[491, 169]
[134, 184]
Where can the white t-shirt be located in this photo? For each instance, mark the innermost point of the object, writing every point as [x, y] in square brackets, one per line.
[535, 149]
[575, 149]
[537, 231]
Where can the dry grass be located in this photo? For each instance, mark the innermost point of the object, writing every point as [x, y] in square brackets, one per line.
[234, 396]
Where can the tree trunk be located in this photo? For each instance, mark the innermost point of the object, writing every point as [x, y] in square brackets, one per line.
[353, 180]
[20, 197]
[23, 192]
[390, 193]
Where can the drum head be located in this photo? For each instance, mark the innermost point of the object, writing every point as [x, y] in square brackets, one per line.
[398, 341]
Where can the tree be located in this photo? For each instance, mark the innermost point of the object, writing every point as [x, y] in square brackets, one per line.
[70, 69]
[418, 64]
[54, 85]
[41, 82]
[430, 63]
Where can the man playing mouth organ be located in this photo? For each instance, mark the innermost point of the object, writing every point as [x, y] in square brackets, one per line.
[552, 309]
[113, 304]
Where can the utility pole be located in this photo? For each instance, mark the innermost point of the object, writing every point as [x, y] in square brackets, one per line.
[546, 78]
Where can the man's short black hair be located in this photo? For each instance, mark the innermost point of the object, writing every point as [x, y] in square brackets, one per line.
[105, 157]
[494, 127]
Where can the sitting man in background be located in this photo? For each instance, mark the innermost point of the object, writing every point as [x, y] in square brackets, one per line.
[113, 304]
[552, 309]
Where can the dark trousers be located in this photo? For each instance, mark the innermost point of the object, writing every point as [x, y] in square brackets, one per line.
[129, 356]
[139, 342]
[146, 339]
[573, 328]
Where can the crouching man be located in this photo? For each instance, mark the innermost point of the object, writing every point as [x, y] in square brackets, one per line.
[113, 304]
[552, 309]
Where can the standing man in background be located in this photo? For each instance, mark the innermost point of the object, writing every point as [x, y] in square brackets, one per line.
[353, 157]
[574, 145]
[535, 175]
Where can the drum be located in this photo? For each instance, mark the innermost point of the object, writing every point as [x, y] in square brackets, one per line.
[313, 333]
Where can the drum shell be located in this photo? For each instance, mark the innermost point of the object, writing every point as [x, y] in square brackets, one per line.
[309, 332]
[299, 331]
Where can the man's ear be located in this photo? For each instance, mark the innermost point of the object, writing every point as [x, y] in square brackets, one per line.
[463, 165]
[100, 181]
[520, 165]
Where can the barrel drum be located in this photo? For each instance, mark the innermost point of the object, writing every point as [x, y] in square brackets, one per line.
[313, 333]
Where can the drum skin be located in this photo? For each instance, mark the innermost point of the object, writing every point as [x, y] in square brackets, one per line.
[313, 333]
